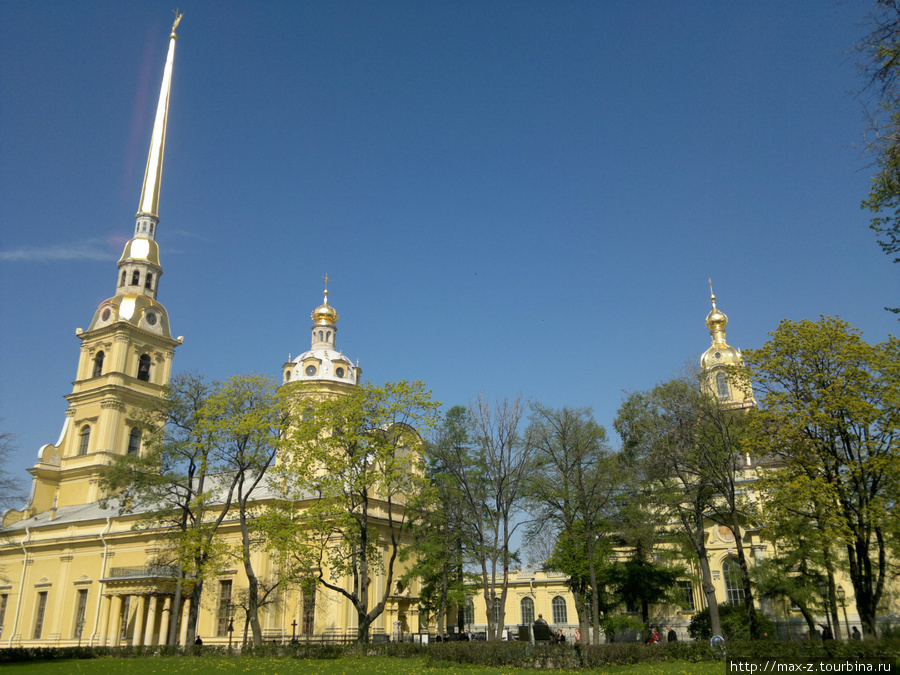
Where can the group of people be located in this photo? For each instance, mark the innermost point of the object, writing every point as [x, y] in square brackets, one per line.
[656, 638]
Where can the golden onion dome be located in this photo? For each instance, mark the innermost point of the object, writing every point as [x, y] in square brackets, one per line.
[716, 319]
[324, 314]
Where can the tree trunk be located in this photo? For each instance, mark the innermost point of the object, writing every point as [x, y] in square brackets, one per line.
[176, 608]
[194, 612]
[745, 581]
[252, 581]
[832, 599]
[595, 595]
[709, 592]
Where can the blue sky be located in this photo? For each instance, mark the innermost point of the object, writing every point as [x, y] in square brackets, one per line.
[520, 197]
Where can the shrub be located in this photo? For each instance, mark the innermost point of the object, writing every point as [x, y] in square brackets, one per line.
[735, 624]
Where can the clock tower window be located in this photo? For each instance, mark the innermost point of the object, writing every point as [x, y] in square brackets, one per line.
[122, 280]
[98, 364]
[148, 282]
[135, 278]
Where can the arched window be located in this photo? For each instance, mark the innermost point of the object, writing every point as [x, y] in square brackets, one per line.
[734, 587]
[144, 368]
[321, 336]
[134, 441]
[148, 282]
[98, 365]
[122, 279]
[560, 615]
[84, 439]
[328, 335]
[496, 611]
[722, 385]
[527, 611]
[135, 278]
[469, 612]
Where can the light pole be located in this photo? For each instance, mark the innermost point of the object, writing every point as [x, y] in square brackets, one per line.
[230, 629]
[842, 598]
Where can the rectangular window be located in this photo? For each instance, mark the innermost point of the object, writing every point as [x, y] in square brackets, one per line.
[3, 600]
[39, 615]
[80, 609]
[224, 614]
[309, 612]
[687, 595]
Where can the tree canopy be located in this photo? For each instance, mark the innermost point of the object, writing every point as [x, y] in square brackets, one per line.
[353, 463]
[830, 416]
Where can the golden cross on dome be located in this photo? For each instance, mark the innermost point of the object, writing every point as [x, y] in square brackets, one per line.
[177, 18]
[326, 280]
[712, 296]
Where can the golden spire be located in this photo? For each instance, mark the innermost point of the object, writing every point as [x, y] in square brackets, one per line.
[149, 204]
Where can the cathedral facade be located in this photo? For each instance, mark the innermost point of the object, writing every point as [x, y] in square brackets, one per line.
[75, 573]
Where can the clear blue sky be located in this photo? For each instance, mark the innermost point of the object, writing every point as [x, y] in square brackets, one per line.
[509, 196]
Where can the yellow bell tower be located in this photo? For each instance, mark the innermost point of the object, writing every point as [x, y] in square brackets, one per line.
[719, 374]
[126, 355]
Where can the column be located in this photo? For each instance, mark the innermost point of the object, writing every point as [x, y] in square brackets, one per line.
[185, 612]
[115, 621]
[105, 605]
[149, 640]
[164, 621]
[138, 638]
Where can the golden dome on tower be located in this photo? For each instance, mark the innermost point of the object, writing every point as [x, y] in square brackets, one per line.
[716, 319]
[325, 314]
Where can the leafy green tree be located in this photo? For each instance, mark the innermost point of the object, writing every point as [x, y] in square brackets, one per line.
[570, 557]
[832, 413]
[648, 574]
[441, 532]
[790, 576]
[796, 511]
[176, 483]
[249, 419]
[490, 473]
[662, 434]
[880, 53]
[571, 488]
[354, 463]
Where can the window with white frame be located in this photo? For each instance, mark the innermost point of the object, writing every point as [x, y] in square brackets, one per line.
[560, 613]
[527, 611]
[734, 587]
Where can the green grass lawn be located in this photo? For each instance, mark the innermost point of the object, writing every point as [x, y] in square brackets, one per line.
[351, 665]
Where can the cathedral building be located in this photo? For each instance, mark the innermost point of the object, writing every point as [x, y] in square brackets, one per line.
[75, 573]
